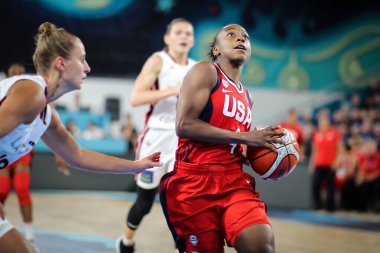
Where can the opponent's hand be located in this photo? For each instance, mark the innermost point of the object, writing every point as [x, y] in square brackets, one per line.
[62, 166]
[262, 137]
[2, 212]
[150, 161]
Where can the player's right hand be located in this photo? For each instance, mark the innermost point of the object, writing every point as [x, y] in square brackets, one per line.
[150, 161]
[262, 137]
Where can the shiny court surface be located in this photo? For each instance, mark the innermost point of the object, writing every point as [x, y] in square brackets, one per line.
[89, 221]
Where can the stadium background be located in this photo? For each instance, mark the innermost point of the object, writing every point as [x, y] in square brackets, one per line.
[305, 54]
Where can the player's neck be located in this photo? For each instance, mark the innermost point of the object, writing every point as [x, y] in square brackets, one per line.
[231, 71]
[179, 58]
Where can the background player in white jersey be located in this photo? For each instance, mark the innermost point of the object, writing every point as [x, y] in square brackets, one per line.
[158, 85]
[60, 61]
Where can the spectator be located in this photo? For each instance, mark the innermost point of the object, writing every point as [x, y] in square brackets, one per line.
[293, 125]
[93, 132]
[324, 160]
[15, 69]
[73, 129]
[308, 128]
[347, 176]
[368, 180]
[129, 132]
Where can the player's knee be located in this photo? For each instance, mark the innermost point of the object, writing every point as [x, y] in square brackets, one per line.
[259, 247]
[265, 247]
[145, 200]
[144, 206]
[255, 239]
[137, 212]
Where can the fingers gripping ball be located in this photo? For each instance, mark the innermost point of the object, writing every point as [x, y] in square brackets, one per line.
[271, 165]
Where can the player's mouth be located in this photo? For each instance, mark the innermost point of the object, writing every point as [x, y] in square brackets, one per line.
[241, 47]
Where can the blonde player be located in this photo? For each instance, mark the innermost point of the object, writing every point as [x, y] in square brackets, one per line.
[60, 61]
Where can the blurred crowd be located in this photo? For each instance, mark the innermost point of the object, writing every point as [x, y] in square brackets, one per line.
[350, 180]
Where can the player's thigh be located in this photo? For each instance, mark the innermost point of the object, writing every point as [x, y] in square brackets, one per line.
[245, 210]
[205, 242]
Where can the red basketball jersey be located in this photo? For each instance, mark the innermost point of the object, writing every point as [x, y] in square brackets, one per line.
[229, 107]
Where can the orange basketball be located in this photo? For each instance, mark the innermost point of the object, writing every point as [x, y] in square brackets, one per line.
[271, 165]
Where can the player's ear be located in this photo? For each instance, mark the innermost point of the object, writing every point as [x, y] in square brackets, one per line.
[215, 51]
[166, 39]
[59, 62]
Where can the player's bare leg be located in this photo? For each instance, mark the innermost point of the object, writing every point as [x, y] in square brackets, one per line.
[14, 242]
[258, 238]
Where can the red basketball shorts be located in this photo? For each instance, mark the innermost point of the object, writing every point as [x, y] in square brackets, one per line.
[25, 160]
[206, 206]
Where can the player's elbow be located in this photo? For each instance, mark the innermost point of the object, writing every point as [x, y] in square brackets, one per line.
[180, 128]
[134, 101]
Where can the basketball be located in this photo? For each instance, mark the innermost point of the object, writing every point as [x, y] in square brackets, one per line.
[271, 165]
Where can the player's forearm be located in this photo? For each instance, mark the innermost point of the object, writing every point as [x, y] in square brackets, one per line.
[101, 163]
[150, 96]
[201, 131]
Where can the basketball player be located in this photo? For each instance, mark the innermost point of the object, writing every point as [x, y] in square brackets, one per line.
[208, 199]
[60, 61]
[158, 85]
[17, 175]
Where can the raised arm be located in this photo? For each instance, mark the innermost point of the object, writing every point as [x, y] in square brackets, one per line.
[61, 142]
[142, 93]
[195, 92]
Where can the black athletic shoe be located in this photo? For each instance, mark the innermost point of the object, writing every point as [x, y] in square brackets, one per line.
[121, 248]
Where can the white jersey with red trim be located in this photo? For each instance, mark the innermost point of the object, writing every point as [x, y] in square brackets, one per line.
[162, 114]
[22, 139]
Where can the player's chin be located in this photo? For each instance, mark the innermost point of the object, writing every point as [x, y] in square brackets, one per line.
[238, 61]
[184, 49]
[244, 57]
[82, 80]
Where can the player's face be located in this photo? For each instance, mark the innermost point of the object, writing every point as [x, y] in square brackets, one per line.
[76, 67]
[180, 37]
[233, 43]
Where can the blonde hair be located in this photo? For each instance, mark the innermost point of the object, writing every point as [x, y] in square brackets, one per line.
[51, 42]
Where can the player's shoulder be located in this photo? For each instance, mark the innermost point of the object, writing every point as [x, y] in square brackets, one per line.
[156, 57]
[32, 84]
[153, 63]
[205, 66]
[205, 72]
